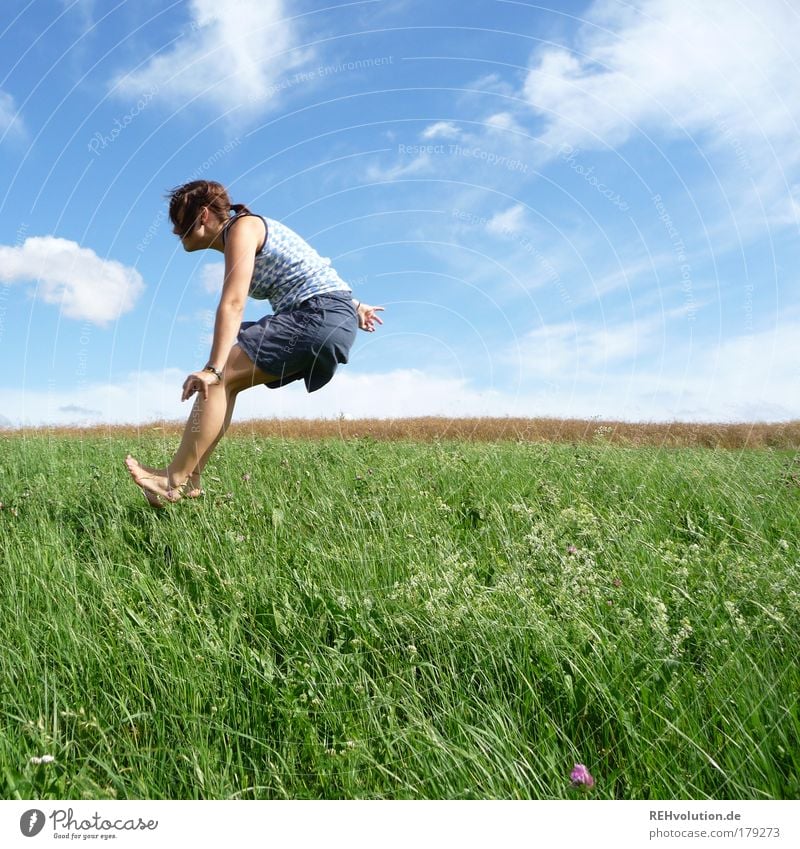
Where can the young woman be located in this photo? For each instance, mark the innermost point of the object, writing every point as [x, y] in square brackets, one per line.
[310, 333]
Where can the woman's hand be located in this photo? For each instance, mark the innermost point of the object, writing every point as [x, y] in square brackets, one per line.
[367, 317]
[198, 381]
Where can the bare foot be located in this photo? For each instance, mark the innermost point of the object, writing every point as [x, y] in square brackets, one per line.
[155, 482]
[192, 487]
[153, 500]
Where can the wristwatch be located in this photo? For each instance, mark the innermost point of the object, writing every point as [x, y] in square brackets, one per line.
[211, 368]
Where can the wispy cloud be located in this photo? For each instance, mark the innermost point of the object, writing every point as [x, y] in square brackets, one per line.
[493, 148]
[411, 165]
[505, 121]
[10, 121]
[748, 378]
[74, 278]
[84, 8]
[509, 222]
[211, 277]
[686, 63]
[722, 76]
[564, 350]
[130, 399]
[147, 396]
[81, 412]
[441, 130]
[633, 371]
[232, 57]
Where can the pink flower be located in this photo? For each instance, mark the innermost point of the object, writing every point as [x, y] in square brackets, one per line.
[581, 777]
[572, 550]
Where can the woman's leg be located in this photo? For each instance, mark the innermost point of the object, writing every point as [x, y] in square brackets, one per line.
[194, 477]
[194, 488]
[205, 426]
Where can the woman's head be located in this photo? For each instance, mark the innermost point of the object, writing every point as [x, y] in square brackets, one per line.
[187, 202]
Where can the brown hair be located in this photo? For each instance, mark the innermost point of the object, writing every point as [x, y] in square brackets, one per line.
[186, 202]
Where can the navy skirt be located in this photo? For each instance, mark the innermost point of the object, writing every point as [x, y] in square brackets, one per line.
[306, 342]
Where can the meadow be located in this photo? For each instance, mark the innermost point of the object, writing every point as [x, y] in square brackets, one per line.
[345, 616]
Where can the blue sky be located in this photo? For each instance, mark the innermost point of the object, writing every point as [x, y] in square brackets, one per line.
[568, 209]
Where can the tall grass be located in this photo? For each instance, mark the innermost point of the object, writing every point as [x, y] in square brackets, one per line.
[363, 619]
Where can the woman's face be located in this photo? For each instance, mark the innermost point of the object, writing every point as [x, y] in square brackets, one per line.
[189, 238]
[194, 237]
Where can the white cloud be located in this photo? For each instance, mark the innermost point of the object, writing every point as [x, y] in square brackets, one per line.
[75, 278]
[493, 84]
[567, 350]
[724, 73]
[84, 8]
[415, 165]
[509, 222]
[496, 149]
[234, 54]
[148, 396]
[441, 130]
[10, 122]
[564, 371]
[505, 121]
[633, 372]
[138, 397]
[743, 376]
[211, 277]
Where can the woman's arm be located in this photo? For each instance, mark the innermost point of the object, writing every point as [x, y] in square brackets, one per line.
[240, 253]
[367, 315]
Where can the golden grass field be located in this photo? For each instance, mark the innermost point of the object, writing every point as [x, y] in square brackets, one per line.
[785, 435]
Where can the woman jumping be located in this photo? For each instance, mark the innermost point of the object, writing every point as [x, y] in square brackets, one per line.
[310, 333]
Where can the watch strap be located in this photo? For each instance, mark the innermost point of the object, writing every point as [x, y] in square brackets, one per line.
[211, 368]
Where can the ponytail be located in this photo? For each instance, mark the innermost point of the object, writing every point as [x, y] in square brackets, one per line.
[186, 202]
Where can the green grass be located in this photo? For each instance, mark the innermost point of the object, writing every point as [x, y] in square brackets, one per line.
[363, 619]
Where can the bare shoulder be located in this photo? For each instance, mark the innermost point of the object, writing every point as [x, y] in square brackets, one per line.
[246, 232]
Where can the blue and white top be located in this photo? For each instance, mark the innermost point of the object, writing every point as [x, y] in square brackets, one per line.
[288, 270]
